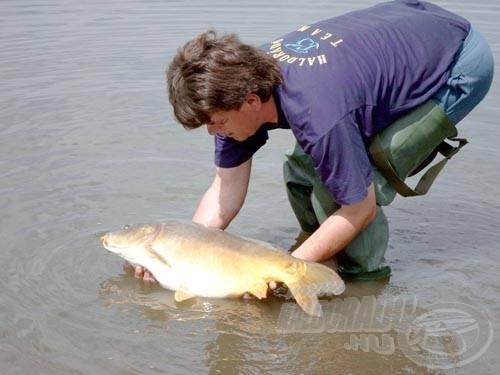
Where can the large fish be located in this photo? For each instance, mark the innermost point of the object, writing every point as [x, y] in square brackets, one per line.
[194, 260]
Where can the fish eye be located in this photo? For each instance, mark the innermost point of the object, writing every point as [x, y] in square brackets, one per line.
[127, 226]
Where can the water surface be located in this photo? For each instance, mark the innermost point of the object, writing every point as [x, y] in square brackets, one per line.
[88, 144]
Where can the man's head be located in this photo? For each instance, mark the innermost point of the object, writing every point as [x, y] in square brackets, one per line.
[214, 79]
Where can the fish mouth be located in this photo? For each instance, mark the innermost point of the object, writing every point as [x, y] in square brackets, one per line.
[105, 243]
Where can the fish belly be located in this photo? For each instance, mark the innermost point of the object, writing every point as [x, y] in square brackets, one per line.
[218, 282]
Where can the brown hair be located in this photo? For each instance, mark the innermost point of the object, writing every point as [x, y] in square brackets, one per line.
[211, 74]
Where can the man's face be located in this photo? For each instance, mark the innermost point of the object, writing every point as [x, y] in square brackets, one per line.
[238, 124]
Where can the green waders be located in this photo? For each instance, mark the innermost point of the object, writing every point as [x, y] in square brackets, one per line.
[403, 148]
[312, 204]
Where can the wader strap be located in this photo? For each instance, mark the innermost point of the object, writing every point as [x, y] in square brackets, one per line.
[382, 162]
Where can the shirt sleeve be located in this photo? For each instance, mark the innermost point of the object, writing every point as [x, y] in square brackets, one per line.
[341, 160]
[230, 153]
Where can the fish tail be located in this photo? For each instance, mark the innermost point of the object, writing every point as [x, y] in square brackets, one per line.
[311, 280]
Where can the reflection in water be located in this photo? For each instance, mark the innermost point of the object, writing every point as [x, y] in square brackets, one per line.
[245, 338]
[125, 291]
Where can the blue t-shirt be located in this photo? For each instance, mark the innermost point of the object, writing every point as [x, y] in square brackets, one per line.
[348, 77]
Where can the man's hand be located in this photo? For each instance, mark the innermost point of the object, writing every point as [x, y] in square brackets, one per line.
[139, 272]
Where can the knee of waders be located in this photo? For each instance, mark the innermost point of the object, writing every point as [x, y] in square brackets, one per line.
[408, 146]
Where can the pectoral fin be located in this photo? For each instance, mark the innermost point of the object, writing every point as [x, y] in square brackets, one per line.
[180, 296]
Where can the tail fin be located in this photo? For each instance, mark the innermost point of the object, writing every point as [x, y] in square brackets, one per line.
[311, 280]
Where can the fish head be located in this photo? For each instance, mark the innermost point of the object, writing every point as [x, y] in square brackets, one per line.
[131, 242]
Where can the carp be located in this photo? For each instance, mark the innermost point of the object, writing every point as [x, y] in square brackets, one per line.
[194, 260]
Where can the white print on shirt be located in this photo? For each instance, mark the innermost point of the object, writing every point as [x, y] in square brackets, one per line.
[303, 46]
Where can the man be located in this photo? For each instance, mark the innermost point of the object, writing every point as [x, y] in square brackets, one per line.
[335, 84]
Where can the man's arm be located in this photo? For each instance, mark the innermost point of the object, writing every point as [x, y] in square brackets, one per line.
[225, 197]
[339, 230]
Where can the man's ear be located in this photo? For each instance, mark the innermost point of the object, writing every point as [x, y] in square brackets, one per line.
[253, 100]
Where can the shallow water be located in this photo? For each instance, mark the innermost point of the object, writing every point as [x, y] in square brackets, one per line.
[88, 144]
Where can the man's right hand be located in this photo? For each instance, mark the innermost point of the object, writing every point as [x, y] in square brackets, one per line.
[139, 272]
